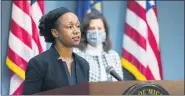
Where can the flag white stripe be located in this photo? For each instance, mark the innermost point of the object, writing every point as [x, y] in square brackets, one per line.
[15, 82]
[35, 48]
[152, 62]
[153, 24]
[36, 17]
[141, 3]
[36, 13]
[43, 43]
[22, 19]
[137, 23]
[19, 47]
[133, 48]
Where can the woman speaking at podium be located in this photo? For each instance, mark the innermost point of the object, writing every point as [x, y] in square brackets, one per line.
[58, 66]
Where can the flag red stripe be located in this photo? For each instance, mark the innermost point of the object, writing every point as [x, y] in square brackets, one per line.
[155, 10]
[23, 5]
[41, 5]
[145, 71]
[154, 46]
[21, 33]
[137, 9]
[132, 33]
[35, 36]
[19, 90]
[17, 59]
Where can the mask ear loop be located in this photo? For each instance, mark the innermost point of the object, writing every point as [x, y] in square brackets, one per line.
[105, 36]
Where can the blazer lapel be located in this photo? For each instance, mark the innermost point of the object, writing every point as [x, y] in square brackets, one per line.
[59, 63]
[79, 74]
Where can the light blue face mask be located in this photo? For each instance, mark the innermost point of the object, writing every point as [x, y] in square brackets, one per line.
[96, 37]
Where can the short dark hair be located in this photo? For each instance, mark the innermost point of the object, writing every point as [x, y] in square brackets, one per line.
[84, 27]
[51, 21]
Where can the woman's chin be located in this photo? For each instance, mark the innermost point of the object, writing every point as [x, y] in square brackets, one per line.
[75, 44]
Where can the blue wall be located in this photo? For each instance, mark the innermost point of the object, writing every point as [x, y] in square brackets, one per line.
[171, 28]
[6, 5]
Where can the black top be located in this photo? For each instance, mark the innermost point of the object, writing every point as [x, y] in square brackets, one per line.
[72, 77]
[45, 72]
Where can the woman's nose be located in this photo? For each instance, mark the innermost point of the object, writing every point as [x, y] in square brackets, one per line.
[76, 31]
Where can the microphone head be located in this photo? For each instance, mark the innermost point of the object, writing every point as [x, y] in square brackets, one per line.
[112, 72]
[109, 69]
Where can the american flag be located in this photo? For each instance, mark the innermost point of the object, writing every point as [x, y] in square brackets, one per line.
[24, 40]
[141, 51]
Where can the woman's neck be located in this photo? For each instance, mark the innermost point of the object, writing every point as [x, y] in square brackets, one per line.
[65, 52]
[92, 50]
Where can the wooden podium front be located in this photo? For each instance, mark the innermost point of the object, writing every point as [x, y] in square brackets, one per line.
[173, 87]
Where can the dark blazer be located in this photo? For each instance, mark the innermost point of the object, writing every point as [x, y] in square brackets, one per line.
[45, 72]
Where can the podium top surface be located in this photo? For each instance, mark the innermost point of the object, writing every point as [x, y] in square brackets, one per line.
[174, 87]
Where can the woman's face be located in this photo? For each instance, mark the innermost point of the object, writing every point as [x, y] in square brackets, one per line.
[96, 34]
[96, 24]
[69, 30]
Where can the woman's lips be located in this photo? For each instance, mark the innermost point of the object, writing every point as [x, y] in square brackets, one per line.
[76, 38]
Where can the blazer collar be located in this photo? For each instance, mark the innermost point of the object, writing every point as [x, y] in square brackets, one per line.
[55, 53]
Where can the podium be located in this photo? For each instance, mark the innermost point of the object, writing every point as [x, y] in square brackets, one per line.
[173, 87]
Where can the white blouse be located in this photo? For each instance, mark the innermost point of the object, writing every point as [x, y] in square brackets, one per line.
[98, 61]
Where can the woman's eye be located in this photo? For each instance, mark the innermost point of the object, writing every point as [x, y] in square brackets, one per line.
[78, 26]
[70, 27]
[91, 28]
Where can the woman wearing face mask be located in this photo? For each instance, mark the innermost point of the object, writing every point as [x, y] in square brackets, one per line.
[95, 47]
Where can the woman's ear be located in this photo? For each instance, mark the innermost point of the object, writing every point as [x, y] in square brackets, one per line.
[54, 33]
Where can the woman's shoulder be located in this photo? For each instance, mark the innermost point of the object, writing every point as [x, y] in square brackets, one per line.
[42, 56]
[112, 52]
[76, 49]
[79, 52]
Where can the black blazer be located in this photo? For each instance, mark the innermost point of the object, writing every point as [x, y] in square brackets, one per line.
[45, 72]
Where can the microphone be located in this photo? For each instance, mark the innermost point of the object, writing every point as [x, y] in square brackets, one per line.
[111, 71]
